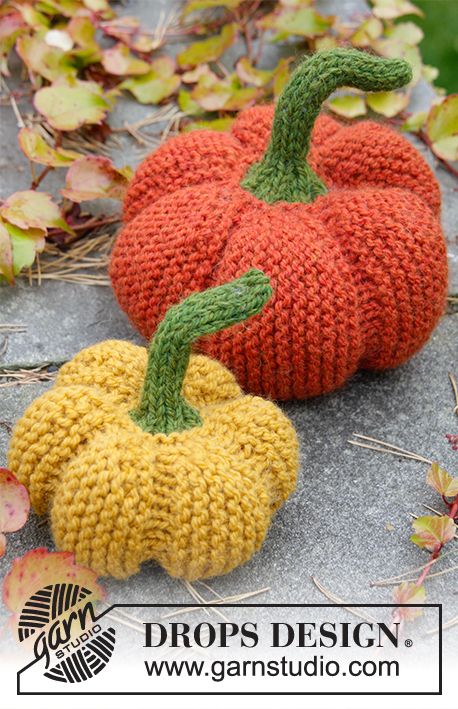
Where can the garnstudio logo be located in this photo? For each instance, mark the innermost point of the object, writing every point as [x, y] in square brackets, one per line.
[61, 622]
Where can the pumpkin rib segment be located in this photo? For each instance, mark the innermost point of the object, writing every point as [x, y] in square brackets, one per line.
[185, 160]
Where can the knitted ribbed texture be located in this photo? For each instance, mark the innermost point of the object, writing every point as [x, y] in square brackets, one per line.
[199, 501]
[162, 407]
[283, 173]
[359, 273]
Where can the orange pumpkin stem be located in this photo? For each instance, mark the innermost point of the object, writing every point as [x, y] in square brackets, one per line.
[283, 174]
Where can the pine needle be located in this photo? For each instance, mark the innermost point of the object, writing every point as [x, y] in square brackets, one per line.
[15, 377]
[455, 391]
[221, 600]
[335, 599]
[385, 447]
[84, 262]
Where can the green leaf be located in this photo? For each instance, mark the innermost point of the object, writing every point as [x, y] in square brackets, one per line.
[432, 531]
[95, 177]
[69, 107]
[194, 5]
[387, 103]
[442, 128]
[119, 61]
[160, 83]
[208, 50]
[304, 21]
[25, 250]
[408, 592]
[24, 245]
[6, 254]
[33, 210]
[250, 75]
[348, 106]
[187, 104]
[392, 9]
[415, 121]
[37, 149]
[442, 481]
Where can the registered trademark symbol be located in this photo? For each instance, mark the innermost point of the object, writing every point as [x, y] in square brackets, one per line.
[408, 642]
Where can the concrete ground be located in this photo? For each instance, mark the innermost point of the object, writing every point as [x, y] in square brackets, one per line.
[349, 522]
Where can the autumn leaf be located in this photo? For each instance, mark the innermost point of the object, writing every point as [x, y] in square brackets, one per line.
[40, 58]
[19, 248]
[60, 39]
[155, 86]
[442, 481]
[94, 177]
[415, 121]
[39, 568]
[66, 8]
[304, 21]
[282, 74]
[119, 61]
[194, 5]
[31, 209]
[432, 531]
[387, 103]
[11, 25]
[222, 124]
[82, 31]
[369, 30]
[208, 50]
[97, 5]
[6, 255]
[32, 17]
[442, 128]
[14, 505]
[348, 106]
[392, 9]
[250, 75]
[408, 592]
[37, 149]
[407, 32]
[69, 107]
[188, 105]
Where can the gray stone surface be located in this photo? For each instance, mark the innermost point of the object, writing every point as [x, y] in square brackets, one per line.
[348, 523]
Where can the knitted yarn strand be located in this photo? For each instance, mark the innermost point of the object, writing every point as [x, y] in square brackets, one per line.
[162, 407]
[283, 174]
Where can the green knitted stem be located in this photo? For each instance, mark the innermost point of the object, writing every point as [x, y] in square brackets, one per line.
[283, 174]
[162, 407]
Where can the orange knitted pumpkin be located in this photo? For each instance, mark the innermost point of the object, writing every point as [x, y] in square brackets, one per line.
[344, 221]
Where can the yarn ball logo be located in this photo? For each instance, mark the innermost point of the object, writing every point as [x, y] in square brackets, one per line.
[61, 622]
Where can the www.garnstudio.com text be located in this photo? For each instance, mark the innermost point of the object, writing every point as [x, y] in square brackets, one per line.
[278, 635]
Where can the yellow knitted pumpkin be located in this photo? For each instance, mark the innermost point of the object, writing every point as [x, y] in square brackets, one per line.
[186, 470]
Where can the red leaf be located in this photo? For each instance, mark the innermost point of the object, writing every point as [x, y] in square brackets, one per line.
[14, 502]
[39, 568]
